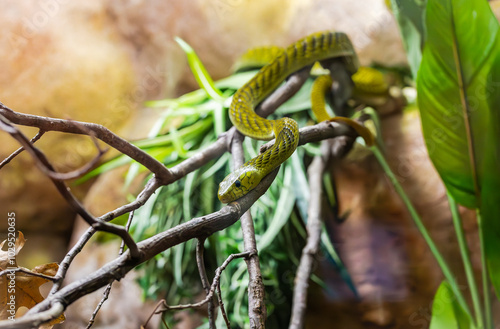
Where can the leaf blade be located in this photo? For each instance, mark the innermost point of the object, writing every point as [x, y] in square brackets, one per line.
[458, 99]
[447, 312]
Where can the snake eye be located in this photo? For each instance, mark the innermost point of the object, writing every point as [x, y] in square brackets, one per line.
[237, 183]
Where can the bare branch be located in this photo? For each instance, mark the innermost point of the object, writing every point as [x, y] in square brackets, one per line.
[104, 134]
[222, 308]
[77, 172]
[8, 159]
[151, 186]
[283, 93]
[318, 132]
[107, 291]
[256, 304]
[26, 271]
[215, 283]
[315, 173]
[105, 296]
[118, 268]
[37, 319]
[204, 281]
[42, 162]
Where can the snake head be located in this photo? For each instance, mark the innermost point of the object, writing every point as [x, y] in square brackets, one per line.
[238, 183]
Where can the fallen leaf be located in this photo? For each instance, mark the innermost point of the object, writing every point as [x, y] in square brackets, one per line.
[4, 255]
[18, 289]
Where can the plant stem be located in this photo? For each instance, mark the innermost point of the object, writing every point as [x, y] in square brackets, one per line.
[420, 225]
[485, 277]
[464, 251]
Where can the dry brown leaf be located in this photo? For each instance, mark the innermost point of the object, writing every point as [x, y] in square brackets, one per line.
[4, 255]
[19, 289]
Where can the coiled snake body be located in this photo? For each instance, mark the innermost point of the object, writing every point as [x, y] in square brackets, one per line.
[316, 47]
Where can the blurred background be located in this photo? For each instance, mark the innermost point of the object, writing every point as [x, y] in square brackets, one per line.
[100, 60]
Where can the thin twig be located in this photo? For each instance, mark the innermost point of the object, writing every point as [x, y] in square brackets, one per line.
[26, 271]
[107, 291]
[8, 159]
[151, 186]
[64, 265]
[146, 193]
[315, 175]
[157, 310]
[53, 312]
[101, 302]
[256, 304]
[163, 306]
[213, 286]
[222, 308]
[77, 172]
[204, 281]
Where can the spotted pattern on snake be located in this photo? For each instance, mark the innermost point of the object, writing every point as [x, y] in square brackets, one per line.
[315, 47]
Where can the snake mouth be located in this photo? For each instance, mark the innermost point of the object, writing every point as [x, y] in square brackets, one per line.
[224, 198]
[224, 194]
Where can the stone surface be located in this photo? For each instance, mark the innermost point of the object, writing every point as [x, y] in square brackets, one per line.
[60, 60]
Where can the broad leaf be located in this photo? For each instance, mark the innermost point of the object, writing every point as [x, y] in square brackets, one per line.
[19, 289]
[457, 86]
[447, 312]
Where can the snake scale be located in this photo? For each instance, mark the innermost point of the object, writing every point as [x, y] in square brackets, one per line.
[316, 47]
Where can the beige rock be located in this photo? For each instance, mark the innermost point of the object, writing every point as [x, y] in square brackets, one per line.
[59, 61]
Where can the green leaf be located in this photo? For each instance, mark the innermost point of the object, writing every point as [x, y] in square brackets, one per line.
[410, 17]
[199, 71]
[446, 311]
[456, 62]
[458, 99]
[490, 184]
[283, 209]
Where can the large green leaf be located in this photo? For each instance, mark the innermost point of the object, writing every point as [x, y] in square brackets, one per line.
[457, 94]
[446, 311]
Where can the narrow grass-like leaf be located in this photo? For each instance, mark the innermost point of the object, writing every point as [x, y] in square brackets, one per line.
[188, 190]
[330, 249]
[200, 73]
[410, 17]
[300, 184]
[219, 119]
[464, 252]
[178, 142]
[422, 229]
[283, 209]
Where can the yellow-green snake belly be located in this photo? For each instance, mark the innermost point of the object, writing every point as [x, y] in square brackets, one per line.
[316, 47]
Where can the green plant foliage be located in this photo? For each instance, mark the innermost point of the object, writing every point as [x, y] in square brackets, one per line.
[446, 311]
[200, 73]
[173, 274]
[457, 94]
[410, 17]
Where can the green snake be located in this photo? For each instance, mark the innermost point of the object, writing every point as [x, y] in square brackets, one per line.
[304, 52]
